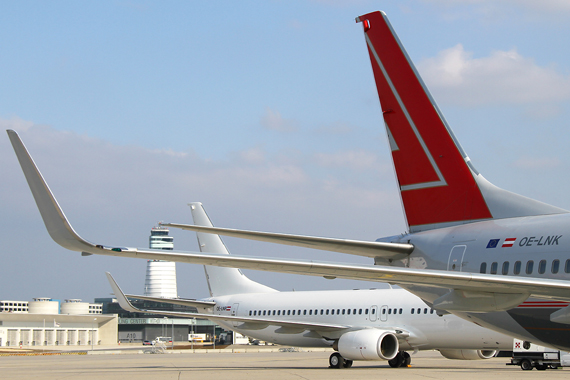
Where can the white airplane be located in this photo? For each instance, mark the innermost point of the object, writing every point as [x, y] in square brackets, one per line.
[372, 324]
[482, 253]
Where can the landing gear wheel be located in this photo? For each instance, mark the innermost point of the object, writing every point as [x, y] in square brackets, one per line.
[541, 367]
[402, 359]
[407, 359]
[526, 365]
[347, 363]
[396, 362]
[337, 361]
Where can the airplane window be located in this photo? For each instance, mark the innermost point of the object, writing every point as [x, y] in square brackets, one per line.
[322, 311]
[366, 311]
[413, 311]
[293, 312]
[425, 310]
[338, 311]
[273, 312]
[250, 312]
[483, 268]
[383, 311]
[317, 312]
[431, 311]
[506, 268]
[304, 312]
[278, 312]
[517, 267]
[529, 266]
[348, 311]
[327, 311]
[567, 266]
[494, 268]
[298, 312]
[400, 311]
[555, 266]
[288, 312]
[373, 311]
[389, 311]
[542, 266]
[310, 312]
[263, 312]
[419, 310]
[332, 311]
[343, 311]
[354, 311]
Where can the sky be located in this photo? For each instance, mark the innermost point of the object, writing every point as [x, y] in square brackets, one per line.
[264, 111]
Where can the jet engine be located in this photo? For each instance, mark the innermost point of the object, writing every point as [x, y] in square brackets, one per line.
[468, 354]
[368, 344]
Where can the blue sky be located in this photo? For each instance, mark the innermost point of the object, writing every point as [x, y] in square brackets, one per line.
[264, 111]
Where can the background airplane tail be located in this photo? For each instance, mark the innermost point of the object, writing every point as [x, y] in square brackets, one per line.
[439, 185]
[221, 281]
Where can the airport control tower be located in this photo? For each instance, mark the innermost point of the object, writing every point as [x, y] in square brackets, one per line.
[160, 275]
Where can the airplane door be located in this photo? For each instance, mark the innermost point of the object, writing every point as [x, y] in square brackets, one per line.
[235, 309]
[455, 262]
[234, 313]
[384, 313]
[373, 310]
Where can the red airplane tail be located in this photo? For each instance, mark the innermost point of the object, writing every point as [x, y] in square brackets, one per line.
[438, 184]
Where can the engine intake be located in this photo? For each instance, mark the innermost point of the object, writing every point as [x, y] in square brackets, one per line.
[468, 354]
[368, 344]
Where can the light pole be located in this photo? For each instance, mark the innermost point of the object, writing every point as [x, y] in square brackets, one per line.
[92, 332]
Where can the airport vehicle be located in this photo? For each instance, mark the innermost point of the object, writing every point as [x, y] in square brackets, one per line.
[528, 356]
[480, 252]
[371, 324]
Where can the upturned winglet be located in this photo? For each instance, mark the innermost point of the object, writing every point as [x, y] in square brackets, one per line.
[55, 220]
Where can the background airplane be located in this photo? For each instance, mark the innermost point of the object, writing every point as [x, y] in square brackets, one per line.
[370, 324]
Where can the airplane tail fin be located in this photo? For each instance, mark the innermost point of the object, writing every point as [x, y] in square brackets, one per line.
[439, 186]
[221, 281]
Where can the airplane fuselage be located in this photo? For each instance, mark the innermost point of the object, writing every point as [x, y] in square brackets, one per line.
[385, 309]
[531, 247]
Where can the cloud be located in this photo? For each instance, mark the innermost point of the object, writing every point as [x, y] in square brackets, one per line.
[16, 124]
[504, 77]
[273, 121]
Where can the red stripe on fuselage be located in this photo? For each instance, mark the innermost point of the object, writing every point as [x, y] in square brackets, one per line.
[459, 199]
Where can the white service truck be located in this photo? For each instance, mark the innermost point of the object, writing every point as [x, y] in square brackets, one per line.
[528, 356]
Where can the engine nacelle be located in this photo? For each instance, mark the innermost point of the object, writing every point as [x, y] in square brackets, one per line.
[468, 354]
[368, 344]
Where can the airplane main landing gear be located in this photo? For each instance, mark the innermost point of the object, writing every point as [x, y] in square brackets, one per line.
[337, 361]
[402, 359]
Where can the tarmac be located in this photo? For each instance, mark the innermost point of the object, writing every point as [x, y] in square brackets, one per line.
[244, 362]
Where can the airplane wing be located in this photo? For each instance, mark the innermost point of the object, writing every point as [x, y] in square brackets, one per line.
[238, 322]
[62, 233]
[389, 251]
[174, 301]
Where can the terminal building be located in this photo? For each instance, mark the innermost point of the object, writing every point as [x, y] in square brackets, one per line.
[48, 322]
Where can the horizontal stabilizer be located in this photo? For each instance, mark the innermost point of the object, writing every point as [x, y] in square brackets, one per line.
[388, 251]
[175, 301]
